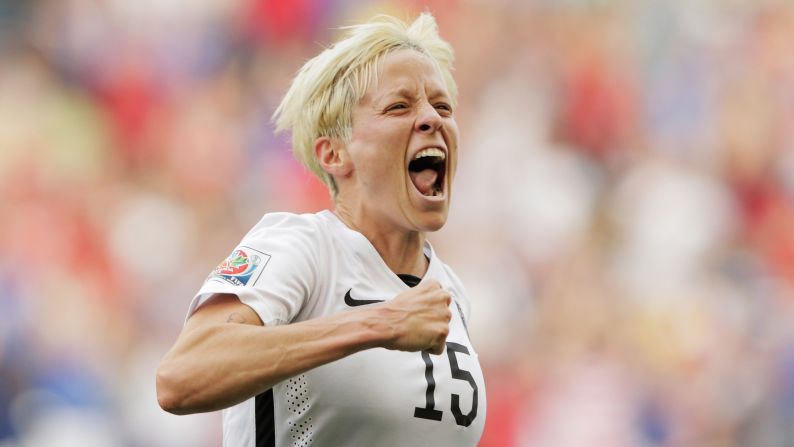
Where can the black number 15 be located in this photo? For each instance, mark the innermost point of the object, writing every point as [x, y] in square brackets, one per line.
[429, 411]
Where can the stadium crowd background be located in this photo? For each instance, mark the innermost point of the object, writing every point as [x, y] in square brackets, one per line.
[623, 213]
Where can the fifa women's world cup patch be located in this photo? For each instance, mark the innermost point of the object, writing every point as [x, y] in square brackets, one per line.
[243, 264]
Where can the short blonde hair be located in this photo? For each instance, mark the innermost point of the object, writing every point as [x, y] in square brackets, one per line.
[322, 95]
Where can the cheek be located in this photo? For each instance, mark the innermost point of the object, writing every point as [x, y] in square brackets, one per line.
[452, 142]
[378, 152]
[452, 131]
[383, 154]
[380, 166]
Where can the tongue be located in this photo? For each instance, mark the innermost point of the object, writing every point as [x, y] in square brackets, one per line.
[424, 180]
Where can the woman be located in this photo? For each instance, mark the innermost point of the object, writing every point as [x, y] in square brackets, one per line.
[344, 327]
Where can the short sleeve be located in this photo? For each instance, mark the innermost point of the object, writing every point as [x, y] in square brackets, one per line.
[273, 269]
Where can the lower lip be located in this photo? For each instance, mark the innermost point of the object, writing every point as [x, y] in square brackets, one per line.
[433, 199]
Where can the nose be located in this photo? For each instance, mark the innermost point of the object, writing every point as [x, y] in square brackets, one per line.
[428, 121]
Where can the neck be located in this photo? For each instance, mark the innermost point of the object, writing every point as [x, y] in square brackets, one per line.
[401, 250]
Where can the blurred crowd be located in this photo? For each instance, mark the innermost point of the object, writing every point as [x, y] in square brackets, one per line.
[623, 212]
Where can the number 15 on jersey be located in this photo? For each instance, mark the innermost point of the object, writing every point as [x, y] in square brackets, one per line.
[429, 411]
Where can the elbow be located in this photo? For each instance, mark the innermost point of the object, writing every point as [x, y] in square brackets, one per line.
[181, 382]
[170, 396]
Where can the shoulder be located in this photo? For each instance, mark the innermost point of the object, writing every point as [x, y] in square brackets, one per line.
[289, 235]
[288, 222]
[308, 228]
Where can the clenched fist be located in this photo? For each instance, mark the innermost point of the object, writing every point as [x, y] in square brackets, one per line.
[418, 318]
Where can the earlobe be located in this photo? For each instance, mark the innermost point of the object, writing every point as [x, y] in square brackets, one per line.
[332, 155]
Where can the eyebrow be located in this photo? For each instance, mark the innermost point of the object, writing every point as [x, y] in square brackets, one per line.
[439, 94]
[399, 92]
[403, 92]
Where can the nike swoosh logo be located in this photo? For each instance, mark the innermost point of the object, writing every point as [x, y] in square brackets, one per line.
[352, 302]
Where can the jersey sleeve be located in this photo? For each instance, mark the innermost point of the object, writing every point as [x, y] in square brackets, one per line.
[273, 270]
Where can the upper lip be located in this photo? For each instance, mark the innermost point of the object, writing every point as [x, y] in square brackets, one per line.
[439, 146]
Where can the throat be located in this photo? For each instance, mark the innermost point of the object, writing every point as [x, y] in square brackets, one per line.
[404, 256]
[402, 251]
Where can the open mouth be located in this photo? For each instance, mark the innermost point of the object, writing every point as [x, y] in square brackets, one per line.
[427, 171]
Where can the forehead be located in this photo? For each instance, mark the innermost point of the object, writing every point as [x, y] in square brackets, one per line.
[406, 71]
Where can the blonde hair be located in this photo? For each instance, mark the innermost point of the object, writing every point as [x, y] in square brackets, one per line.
[322, 95]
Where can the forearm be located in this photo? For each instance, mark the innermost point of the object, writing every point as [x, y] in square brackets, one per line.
[219, 365]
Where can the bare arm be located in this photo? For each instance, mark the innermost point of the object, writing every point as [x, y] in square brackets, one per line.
[225, 355]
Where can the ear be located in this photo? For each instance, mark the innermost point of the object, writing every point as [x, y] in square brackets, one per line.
[332, 155]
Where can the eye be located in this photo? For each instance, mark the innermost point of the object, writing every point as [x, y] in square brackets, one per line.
[443, 107]
[397, 106]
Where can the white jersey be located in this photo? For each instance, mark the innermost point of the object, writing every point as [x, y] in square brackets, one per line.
[292, 268]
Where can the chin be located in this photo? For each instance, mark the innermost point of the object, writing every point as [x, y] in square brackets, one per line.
[426, 214]
[429, 222]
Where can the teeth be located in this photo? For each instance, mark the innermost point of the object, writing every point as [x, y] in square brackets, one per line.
[435, 192]
[430, 152]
